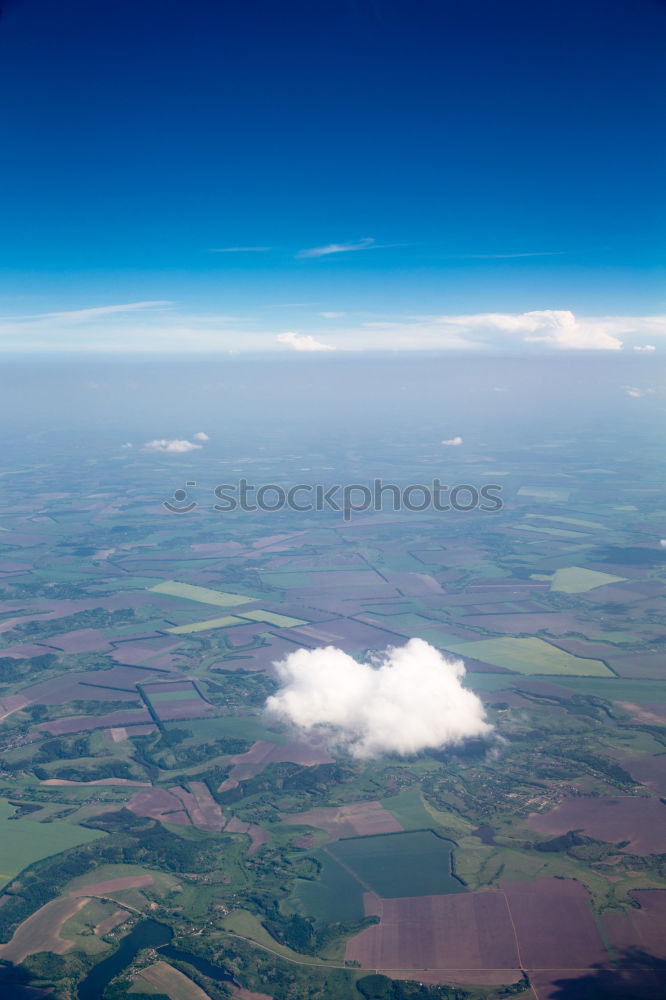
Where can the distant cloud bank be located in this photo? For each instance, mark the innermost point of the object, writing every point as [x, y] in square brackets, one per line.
[159, 326]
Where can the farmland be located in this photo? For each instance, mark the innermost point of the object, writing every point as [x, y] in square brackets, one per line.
[530, 656]
[400, 864]
[141, 778]
[25, 841]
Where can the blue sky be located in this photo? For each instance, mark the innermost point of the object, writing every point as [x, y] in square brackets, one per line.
[460, 159]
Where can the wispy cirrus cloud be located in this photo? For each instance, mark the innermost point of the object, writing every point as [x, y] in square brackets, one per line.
[302, 342]
[367, 243]
[511, 256]
[239, 249]
[99, 312]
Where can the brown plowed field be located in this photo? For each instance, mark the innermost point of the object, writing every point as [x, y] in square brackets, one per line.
[41, 931]
[643, 929]
[459, 931]
[362, 819]
[254, 832]
[641, 821]
[201, 807]
[258, 757]
[554, 924]
[112, 885]
[157, 803]
[648, 769]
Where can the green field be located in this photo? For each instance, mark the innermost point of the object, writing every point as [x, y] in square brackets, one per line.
[547, 530]
[567, 520]
[408, 809]
[530, 655]
[25, 841]
[188, 695]
[619, 688]
[248, 925]
[437, 638]
[556, 493]
[400, 864]
[335, 896]
[227, 727]
[287, 580]
[576, 580]
[202, 595]
[272, 618]
[223, 622]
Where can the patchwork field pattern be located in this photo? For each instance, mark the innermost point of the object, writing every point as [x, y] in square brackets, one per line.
[137, 765]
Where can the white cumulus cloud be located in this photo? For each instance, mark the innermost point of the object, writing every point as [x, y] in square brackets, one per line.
[174, 445]
[645, 347]
[454, 442]
[406, 700]
[302, 342]
[201, 436]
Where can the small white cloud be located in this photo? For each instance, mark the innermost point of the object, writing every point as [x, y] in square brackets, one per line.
[635, 393]
[645, 347]
[127, 445]
[662, 542]
[454, 442]
[175, 445]
[332, 315]
[201, 436]
[403, 701]
[302, 342]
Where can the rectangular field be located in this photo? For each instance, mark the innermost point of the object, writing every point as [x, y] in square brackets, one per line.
[202, 595]
[180, 700]
[469, 931]
[530, 656]
[400, 864]
[210, 623]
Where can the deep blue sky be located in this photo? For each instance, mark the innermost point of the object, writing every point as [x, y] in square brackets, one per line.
[139, 135]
